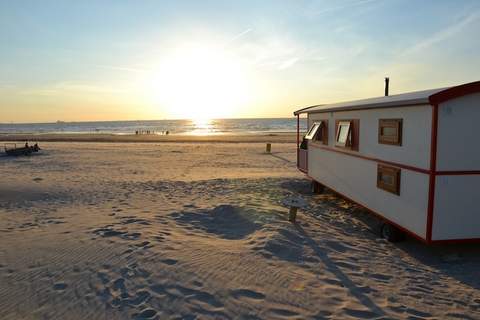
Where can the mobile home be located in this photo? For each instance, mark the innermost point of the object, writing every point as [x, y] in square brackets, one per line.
[413, 159]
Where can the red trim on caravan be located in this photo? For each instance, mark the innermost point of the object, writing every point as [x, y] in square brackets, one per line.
[457, 173]
[433, 168]
[454, 92]
[298, 140]
[456, 241]
[395, 164]
[381, 217]
[298, 131]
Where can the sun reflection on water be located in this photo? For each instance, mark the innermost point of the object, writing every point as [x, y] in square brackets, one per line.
[202, 126]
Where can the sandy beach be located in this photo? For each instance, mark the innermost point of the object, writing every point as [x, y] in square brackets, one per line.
[195, 229]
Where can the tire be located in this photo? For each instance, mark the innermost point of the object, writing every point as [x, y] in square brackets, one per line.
[317, 187]
[392, 233]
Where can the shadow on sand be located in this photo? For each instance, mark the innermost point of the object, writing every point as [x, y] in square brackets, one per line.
[332, 267]
[219, 222]
[275, 155]
[459, 261]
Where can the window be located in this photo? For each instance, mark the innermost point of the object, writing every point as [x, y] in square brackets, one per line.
[390, 131]
[344, 134]
[388, 179]
[313, 130]
[347, 134]
[318, 132]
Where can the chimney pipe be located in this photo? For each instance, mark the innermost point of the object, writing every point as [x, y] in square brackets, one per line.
[387, 81]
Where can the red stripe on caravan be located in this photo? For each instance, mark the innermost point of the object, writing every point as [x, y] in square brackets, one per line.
[433, 167]
[395, 164]
[380, 216]
[457, 173]
[456, 241]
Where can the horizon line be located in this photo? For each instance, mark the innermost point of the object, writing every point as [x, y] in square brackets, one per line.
[140, 120]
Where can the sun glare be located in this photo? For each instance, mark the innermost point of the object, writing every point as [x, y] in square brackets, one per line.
[200, 83]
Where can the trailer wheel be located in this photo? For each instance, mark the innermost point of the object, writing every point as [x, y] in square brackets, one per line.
[392, 233]
[317, 187]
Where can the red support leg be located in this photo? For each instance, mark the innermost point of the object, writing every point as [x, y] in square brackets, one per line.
[298, 139]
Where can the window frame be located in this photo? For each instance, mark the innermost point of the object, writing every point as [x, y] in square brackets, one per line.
[392, 171]
[390, 123]
[313, 130]
[348, 142]
[321, 136]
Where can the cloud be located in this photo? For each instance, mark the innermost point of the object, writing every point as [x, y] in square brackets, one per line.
[69, 88]
[120, 68]
[444, 34]
[238, 36]
[288, 63]
[323, 10]
[6, 86]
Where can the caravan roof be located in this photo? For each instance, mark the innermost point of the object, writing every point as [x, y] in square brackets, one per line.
[398, 100]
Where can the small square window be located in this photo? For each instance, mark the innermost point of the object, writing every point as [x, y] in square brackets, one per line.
[388, 179]
[390, 131]
[344, 134]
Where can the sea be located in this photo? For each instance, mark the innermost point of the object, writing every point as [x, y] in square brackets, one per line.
[161, 127]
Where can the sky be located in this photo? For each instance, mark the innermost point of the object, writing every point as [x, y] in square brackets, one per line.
[137, 60]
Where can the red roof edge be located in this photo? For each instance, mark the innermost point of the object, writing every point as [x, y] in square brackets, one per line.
[454, 92]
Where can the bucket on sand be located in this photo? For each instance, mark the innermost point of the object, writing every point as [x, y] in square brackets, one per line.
[268, 148]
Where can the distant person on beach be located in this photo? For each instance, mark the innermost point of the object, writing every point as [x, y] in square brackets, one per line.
[26, 144]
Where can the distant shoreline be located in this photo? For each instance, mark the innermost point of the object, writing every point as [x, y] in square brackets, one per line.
[102, 137]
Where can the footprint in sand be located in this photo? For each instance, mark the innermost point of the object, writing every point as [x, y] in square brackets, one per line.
[144, 245]
[360, 314]
[380, 277]
[59, 286]
[280, 313]
[140, 297]
[246, 293]
[131, 219]
[146, 314]
[170, 262]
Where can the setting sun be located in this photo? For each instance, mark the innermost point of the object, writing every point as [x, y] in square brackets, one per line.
[199, 82]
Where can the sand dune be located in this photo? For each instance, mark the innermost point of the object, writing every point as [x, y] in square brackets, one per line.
[198, 231]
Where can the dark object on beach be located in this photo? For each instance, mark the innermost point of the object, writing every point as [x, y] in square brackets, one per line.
[317, 188]
[304, 144]
[391, 233]
[12, 150]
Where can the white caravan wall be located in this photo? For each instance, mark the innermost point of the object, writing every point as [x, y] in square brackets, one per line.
[415, 149]
[357, 179]
[456, 211]
[458, 134]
